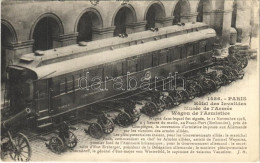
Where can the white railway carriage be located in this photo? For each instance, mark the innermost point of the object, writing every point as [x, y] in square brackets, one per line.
[56, 88]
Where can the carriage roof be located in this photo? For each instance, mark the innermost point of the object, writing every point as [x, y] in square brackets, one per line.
[88, 61]
[72, 51]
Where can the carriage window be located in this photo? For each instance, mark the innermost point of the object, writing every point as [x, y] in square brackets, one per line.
[108, 70]
[70, 83]
[171, 55]
[63, 85]
[140, 63]
[155, 59]
[183, 52]
[203, 46]
[209, 45]
[117, 69]
[177, 53]
[124, 67]
[76, 81]
[148, 61]
[95, 75]
[28, 90]
[132, 65]
[163, 56]
[42, 89]
[55, 86]
[196, 48]
[190, 50]
[83, 79]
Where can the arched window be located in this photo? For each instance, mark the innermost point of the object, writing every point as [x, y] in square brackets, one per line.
[44, 32]
[182, 8]
[123, 17]
[8, 36]
[87, 22]
[204, 6]
[154, 11]
[234, 14]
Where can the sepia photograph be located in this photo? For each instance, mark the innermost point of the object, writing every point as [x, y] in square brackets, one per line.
[130, 80]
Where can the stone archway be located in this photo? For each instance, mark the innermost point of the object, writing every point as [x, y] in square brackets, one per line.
[46, 28]
[8, 36]
[182, 8]
[204, 7]
[154, 11]
[89, 19]
[124, 16]
[234, 14]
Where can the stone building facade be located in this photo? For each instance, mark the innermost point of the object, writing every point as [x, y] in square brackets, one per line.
[27, 26]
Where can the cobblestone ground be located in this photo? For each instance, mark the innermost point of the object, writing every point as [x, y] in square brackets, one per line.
[41, 153]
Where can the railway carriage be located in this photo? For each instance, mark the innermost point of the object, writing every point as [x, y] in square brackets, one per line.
[58, 90]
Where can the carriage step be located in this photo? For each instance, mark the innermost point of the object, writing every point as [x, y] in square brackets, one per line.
[44, 126]
[43, 118]
[44, 112]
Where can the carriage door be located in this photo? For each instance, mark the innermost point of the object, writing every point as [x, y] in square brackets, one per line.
[42, 95]
[50, 95]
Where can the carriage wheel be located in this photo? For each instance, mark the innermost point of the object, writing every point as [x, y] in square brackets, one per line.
[192, 92]
[95, 130]
[224, 79]
[107, 125]
[185, 96]
[21, 149]
[236, 74]
[241, 74]
[177, 98]
[169, 102]
[150, 109]
[123, 119]
[198, 89]
[211, 85]
[204, 86]
[2, 154]
[134, 114]
[160, 105]
[129, 105]
[218, 82]
[230, 74]
[56, 144]
[232, 60]
[244, 62]
[72, 141]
